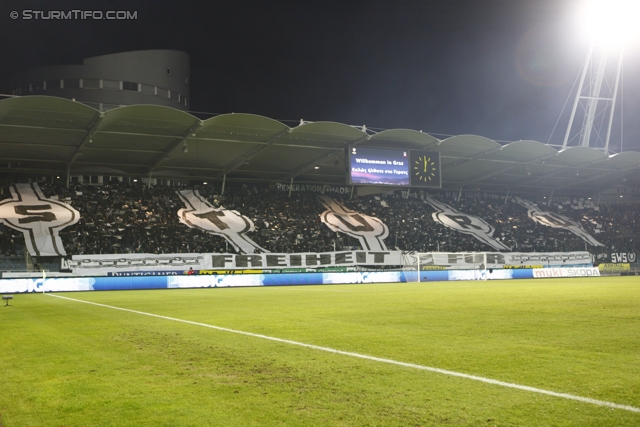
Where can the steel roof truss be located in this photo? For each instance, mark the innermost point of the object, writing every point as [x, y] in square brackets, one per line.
[235, 164]
[165, 154]
[86, 137]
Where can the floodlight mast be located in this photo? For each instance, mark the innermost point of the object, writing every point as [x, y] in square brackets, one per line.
[592, 93]
[611, 24]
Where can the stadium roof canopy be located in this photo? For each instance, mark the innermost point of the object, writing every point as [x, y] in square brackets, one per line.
[48, 135]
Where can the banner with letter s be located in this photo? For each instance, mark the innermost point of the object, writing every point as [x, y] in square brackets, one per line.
[628, 257]
[38, 218]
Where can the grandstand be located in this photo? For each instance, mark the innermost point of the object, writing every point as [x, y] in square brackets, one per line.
[125, 175]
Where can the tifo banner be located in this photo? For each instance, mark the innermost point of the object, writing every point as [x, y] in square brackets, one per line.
[465, 223]
[509, 260]
[101, 265]
[623, 257]
[555, 220]
[369, 230]
[92, 265]
[543, 273]
[313, 188]
[323, 259]
[38, 218]
[229, 224]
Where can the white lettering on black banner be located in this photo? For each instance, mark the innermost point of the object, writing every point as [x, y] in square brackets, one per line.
[623, 257]
[313, 188]
[38, 218]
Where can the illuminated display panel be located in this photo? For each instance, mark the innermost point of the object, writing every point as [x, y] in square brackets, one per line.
[394, 167]
[378, 166]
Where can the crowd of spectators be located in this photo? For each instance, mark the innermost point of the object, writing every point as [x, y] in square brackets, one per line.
[410, 222]
[122, 218]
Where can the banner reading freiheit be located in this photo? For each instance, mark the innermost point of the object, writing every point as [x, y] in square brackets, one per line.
[109, 263]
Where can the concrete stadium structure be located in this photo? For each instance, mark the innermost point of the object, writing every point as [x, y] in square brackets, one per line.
[155, 77]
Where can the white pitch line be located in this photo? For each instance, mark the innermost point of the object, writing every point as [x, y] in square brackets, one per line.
[376, 359]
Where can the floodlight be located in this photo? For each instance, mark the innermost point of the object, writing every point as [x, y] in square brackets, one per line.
[612, 22]
[611, 25]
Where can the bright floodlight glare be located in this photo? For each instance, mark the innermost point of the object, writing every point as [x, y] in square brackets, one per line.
[612, 22]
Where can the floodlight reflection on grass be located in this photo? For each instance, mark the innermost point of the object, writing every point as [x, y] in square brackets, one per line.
[612, 23]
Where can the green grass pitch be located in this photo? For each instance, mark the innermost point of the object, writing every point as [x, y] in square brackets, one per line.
[66, 363]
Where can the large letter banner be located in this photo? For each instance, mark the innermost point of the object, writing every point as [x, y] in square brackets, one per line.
[222, 222]
[465, 223]
[168, 264]
[555, 220]
[623, 257]
[271, 261]
[507, 260]
[369, 230]
[38, 218]
[114, 264]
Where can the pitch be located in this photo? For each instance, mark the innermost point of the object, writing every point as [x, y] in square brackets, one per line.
[69, 363]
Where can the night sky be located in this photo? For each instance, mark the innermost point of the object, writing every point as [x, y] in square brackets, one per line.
[502, 69]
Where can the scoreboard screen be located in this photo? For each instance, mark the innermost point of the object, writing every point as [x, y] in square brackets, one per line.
[394, 167]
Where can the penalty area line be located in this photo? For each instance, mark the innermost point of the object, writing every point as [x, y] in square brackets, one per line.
[373, 358]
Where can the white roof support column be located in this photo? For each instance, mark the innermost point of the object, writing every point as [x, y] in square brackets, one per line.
[592, 100]
[585, 67]
[613, 104]
[597, 92]
[85, 138]
[191, 131]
